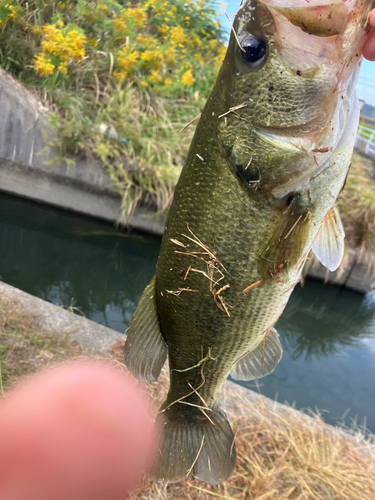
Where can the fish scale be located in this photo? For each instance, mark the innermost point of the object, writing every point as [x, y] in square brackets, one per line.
[269, 157]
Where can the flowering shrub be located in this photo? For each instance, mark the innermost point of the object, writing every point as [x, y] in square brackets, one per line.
[94, 60]
[7, 12]
[164, 45]
[59, 46]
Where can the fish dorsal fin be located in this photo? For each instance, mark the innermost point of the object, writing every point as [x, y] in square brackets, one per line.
[286, 246]
[318, 20]
[329, 245]
[260, 362]
[145, 348]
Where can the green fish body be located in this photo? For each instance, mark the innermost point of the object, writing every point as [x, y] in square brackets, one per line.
[269, 157]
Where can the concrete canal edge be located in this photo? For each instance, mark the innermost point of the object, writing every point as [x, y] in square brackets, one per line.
[98, 339]
[26, 170]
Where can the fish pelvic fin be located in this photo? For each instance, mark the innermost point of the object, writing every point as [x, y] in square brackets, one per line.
[145, 348]
[195, 447]
[260, 362]
[329, 244]
[287, 245]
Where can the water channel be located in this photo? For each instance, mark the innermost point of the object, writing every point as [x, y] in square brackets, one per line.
[327, 333]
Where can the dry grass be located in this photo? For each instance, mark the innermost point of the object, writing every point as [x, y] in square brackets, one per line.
[281, 454]
[25, 347]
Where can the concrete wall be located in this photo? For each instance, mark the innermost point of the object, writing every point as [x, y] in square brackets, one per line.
[24, 170]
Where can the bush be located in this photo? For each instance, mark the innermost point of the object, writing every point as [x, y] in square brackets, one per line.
[121, 79]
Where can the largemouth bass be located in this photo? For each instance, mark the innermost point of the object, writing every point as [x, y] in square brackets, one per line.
[269, 157]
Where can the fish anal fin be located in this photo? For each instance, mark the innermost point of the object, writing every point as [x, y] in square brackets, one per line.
[329, 245]
[287, 244]
[145, 348]
[260, 362]
[194, 446]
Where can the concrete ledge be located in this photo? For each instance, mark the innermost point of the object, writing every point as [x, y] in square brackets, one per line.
[93, 337]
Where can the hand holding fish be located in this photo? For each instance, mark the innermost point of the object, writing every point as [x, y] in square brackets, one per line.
[369, 50]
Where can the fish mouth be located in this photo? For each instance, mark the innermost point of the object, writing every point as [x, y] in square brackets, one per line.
[322, 18]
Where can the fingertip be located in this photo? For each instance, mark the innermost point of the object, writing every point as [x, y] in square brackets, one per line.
[79, 431]
[369, 49]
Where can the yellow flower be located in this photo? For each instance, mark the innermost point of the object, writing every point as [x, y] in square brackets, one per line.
[42, 65]
[168, 81]
[138, 15]
[144, 83]
[163, 29]
[155, 76]
[177, 34]
[188, 78]
[63, 68]
[119, 23]
[146, 40]
[69, 46]
[36, 30]
[151, 3]
[152, 59]
[170, 56]
[60, 23]
[127, 60]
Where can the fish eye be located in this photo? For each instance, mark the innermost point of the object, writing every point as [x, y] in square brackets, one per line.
[253, 48]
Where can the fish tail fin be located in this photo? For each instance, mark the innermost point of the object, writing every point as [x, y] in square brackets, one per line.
[195, 446]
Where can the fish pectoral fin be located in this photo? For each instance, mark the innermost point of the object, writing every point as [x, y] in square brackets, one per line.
[145, 348]
[329, 245]
[260, 362]
[287, 244]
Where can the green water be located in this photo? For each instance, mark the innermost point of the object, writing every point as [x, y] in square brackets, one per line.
[328, 334]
